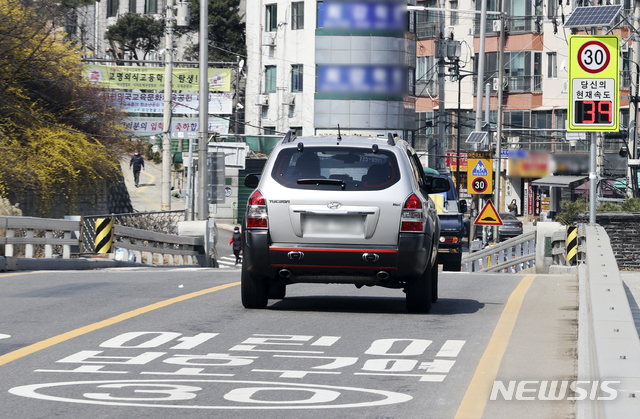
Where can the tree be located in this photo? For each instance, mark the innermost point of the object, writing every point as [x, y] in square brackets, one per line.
[133, 32]
[226, 30]
[57, 136]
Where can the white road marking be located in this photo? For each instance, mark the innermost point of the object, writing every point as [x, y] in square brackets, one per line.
[451, 348]
[4, 336]
[238, 397]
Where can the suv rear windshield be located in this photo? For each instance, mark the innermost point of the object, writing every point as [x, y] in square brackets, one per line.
[359, 168]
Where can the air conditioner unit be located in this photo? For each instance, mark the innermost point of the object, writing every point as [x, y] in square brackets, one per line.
[565, 86]
[624, 47]
[496, 84]
[289, 99]
[112, 21]
[263, 100]
[269, 39]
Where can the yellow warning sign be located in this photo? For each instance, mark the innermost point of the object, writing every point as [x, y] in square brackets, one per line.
[488, 216]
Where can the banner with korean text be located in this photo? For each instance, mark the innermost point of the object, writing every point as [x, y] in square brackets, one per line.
[180, 127]
[152, 78]
[181, 103]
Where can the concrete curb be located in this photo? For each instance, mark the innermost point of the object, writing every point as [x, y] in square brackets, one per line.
[608, 343]
[25, 264]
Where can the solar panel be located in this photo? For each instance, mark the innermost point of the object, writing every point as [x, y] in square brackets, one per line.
[476, 137]
[593, 16]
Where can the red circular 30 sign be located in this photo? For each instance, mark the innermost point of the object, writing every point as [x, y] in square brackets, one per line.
[479, 184]
[594, 57]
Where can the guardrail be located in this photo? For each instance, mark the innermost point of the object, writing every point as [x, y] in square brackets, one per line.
[156, 246]
[608, 344]
[45, 238]
[513, 255]
[55, 232]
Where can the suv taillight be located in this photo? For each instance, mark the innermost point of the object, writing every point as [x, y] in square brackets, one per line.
[257, 211]
[413, 216]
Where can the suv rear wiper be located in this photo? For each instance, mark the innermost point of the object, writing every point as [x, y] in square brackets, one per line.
[337, 182]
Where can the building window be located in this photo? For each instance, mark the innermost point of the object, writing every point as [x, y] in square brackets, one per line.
[271, 18]
[112, 8]
[151, 6]
[426, 76]
[269, 130]
[552, 8]
[296, 78]
[552, 65]
[523, 70]
[297, 131]
[297, 15]
[270, 79]
[132, 6]
[454, 15]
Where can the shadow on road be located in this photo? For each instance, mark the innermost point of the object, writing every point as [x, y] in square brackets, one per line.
[386, 305]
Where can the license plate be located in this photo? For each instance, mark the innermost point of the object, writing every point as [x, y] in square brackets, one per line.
[334, 225]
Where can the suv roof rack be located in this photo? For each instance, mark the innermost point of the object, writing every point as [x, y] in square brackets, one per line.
[289, 137]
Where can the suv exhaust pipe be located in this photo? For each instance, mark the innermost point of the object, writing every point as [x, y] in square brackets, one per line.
[284, 273]
[382, 275]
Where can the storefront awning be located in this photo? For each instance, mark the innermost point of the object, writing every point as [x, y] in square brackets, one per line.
[559, 181]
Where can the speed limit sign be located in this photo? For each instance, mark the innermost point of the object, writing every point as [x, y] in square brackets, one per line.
[594, 90]
[479, 185]
[594, 57]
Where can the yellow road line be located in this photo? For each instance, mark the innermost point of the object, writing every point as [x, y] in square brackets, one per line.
[18, 273]
[479, 390]
[153, 179]
[28, 350]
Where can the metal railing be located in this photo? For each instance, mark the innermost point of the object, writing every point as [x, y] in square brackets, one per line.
[159, 221]
[513, 255]
[152, 248]
[38, 237]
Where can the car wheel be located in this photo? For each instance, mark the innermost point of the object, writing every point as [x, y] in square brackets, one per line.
[253, 289]
[277, 291]
[434, 283]
[452, 266]
[418, 292]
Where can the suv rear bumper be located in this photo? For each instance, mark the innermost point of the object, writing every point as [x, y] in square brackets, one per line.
[337, 264]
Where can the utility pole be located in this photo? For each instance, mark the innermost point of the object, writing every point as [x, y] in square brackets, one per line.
[166, 124]
[633, 107]
[439, 148]
[203, 124]
[483, 35]
[496, 231]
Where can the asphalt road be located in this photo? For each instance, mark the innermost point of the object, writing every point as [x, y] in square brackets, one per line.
[163, 343]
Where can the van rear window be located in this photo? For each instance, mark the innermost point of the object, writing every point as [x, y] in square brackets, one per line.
[359, 168]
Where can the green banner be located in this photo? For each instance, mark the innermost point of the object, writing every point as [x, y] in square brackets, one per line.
[152, 78]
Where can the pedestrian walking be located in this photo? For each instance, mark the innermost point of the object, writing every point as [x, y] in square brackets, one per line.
[236, 240]
[137, 163]
[513, 208]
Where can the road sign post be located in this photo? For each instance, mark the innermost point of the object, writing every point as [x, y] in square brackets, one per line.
[479, 173]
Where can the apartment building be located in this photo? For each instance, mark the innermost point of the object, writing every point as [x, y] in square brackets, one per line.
[314, 66]
[534, 91]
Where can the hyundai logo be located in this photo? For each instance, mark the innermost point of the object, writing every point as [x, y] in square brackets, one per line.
[334, 205]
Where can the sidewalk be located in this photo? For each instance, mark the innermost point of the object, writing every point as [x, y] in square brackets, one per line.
[148, 197]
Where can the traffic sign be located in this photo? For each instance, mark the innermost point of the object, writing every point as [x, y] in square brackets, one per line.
[594, 90]
[479, 185]
[488, 216]
[479, 173]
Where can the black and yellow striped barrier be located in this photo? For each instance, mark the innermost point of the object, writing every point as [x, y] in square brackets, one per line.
[104, 235]
[572, 246]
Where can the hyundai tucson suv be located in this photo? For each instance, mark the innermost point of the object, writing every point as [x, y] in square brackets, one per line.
[345, 210]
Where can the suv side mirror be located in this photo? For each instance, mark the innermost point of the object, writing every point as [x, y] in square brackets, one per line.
[462, 204]
[252, 180]
[437, 184]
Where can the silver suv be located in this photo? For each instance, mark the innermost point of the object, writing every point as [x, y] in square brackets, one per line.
[348, 210]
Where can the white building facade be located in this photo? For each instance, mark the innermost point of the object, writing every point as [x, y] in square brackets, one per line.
[310, 71]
